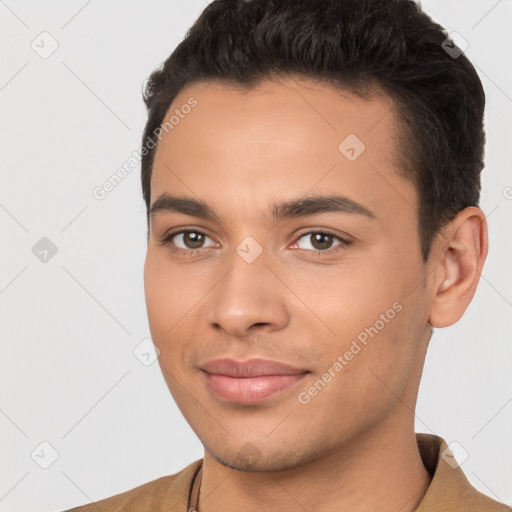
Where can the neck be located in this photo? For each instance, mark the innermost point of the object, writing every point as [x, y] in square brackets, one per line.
[380, 470]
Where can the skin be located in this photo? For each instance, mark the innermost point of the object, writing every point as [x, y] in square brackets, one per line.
[352, 446]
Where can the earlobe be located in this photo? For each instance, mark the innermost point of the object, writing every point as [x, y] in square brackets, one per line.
[461, 261]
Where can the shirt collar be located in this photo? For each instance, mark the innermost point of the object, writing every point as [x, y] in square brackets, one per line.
[449, 489]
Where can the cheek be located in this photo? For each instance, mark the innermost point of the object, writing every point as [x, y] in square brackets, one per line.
[359, 313]
[163, 304]
[156, 293]
[173, 303]
[378, 360]
[349, 297]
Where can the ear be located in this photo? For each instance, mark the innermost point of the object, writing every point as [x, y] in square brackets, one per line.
[460, 259]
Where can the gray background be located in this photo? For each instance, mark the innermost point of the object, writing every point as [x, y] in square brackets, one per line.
[70, 324]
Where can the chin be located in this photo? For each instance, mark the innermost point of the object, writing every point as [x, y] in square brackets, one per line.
[250, 458]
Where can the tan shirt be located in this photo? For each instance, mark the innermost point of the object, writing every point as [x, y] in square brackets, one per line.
[449, 490]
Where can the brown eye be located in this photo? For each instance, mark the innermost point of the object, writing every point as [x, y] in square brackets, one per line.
[321, 241]
[186, 240]
[193, 239]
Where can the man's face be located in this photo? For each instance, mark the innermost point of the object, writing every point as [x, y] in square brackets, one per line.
[350, 316]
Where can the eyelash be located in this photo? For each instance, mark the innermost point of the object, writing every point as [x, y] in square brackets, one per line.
[166, 240]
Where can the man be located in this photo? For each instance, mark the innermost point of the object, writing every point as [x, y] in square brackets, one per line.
[311, 171]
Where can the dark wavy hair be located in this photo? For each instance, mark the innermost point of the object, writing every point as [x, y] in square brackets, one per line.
[353, 45]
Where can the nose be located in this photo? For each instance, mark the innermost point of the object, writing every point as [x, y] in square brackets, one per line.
[248, 297]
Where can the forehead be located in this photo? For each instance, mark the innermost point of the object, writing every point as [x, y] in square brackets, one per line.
[279, 140]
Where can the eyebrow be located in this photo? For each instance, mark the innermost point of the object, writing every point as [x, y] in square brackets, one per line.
[304, 207]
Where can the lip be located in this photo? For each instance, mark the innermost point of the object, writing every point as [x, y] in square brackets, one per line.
[255, 367]
[250, 381]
